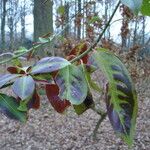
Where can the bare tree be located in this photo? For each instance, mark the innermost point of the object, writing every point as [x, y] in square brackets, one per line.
[3, 23]
[13, 19]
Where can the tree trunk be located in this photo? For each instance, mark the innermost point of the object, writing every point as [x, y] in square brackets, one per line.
[43, 20]
[135, 32]
[66, 32]
[23, 15]
[11, 33]
[143, 31]
[79, 25]
[3, 25]
[75, 25]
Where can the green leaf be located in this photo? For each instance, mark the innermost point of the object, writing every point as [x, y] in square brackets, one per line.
[145, 10]
[24, 87]
[23, 106]
[20, 50]
[61, 10]
[88, 103]
[72, 84]
[43, 78]
[43, 40]
[95, 19]
[9, 105]
[6, 78]
[16, 62]
[88, 70]
[49, 64]
[134, 5]
[121, 99]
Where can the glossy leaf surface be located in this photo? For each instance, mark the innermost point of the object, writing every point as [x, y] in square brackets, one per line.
[24, 87]
[121, 97]
[49, 64]
[72, 84]
[9, 105]
[6, 78]
[52, 92]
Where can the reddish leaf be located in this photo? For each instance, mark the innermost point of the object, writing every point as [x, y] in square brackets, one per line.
[35, 101]
[15, 70]
[18, 70]
[12, 70]
[52, 92]
[79, 49]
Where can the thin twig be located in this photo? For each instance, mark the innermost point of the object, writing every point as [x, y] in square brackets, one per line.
[99, 38]
[98, 124]
[98, 111]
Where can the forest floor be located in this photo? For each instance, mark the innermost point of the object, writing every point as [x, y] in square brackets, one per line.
[48, 130]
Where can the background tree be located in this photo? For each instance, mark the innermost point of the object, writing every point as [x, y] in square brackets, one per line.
[43, 18]
[3, 22]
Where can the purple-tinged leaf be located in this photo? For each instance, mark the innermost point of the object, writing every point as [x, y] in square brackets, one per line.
[72, 84]
[121, 98]
[24, 87]
[49, 64]
[9, 105]
[6, 78]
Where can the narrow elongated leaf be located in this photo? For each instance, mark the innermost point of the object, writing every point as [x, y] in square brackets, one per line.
[87, 103]
[134, 5]
[145, 8]
[72, 84]
[9, 105]
[24, 87]
[43, 40]
[49, 64]
[121, 96]
[52, 92]
[6, 78]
